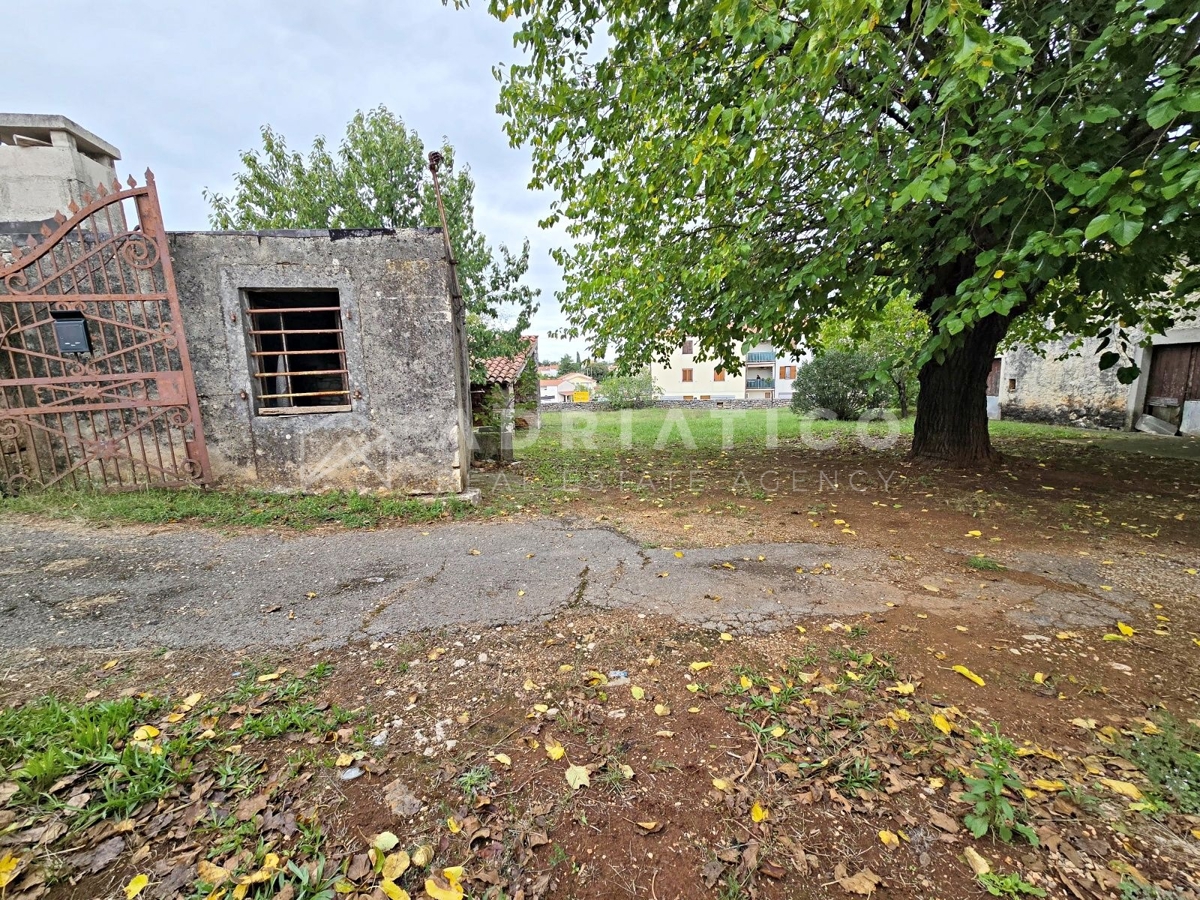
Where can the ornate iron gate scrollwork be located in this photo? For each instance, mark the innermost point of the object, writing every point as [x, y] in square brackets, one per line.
[114, 405]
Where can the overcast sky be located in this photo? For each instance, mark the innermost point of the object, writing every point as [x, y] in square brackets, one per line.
[181, 87]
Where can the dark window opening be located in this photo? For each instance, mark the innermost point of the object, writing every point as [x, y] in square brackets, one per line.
[1012, 384]
[298, 358]
[687, 348]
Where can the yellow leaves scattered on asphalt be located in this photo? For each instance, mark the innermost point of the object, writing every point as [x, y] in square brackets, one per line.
[503, 759]
[679, 554]
[941, 723]
[661, 709]
[269, 676]
[1124, 788]
[726, 565]
[578, 777]
[723, 785]
[664, 574]
[473, 552]
[637, 693]
[969, 675]
[146, 733]
[759, 813]
[1192, 571]
[1126, 630]
[889, 839]
[699, 666]
[136, 885]
[554, 749]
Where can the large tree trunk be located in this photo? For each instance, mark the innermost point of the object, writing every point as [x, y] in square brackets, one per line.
[952, 423]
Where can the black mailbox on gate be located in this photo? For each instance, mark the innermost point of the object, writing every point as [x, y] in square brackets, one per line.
[71, 332]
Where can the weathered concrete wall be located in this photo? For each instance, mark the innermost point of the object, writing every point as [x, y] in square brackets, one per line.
[407, 430]
[38, 181]
[1071, 391]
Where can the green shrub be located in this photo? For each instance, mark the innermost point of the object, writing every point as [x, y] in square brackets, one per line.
[841, 381]
[629, 391]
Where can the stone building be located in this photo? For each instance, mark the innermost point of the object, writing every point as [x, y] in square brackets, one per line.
[1039, 386]
[46, 164]
[327, 359]
[310, 360]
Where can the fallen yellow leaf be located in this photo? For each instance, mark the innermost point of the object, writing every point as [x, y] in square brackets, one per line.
[722, 785]
[578, 777]
[9, 866]
[270, 676]
[393, 891]
[941, 723]
[503, 759]
[1045, 784]
[699, 666]
[1039, 677]
[637, 693]
[145, 733]
[554, 749]
[1124, 788]
[136, 885]
[661, 709]
[969, 675]
[396, 864]
[726, 636]
[889, 839]
[1126, 630]
[759, 813]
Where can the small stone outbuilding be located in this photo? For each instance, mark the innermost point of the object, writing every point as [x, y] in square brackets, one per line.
[327, 359]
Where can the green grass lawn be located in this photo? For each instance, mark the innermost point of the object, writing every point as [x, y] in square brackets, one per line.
[603, 444]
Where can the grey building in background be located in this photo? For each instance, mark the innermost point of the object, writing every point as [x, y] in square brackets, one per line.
[46, 163]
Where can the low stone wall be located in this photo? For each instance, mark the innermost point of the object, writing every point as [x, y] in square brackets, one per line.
[1064, 415]
[602, 405]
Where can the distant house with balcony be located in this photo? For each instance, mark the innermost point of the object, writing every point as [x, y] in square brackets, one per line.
[767, 374]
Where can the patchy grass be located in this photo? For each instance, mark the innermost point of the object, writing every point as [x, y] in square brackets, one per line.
[1168, 754]
[233, 508]
[82, 774]
[984, 563]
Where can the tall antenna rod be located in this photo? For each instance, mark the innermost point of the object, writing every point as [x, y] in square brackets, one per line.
[435, 162]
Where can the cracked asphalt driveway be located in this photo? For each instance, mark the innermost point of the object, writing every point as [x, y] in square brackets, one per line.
[71, 586]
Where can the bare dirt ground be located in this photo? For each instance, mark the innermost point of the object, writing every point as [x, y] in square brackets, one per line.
[663, 688]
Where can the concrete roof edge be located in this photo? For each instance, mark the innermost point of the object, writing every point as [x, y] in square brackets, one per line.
[18, 122]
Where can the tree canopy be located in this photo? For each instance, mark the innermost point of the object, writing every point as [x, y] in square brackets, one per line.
[378, 178]
[728, 167]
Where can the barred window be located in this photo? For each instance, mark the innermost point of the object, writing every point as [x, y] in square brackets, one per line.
[298, 358]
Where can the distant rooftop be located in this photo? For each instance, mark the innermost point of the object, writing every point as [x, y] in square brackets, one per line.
[38, 128]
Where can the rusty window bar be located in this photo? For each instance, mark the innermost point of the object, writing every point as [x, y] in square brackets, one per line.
[302, 389]
[306, 372]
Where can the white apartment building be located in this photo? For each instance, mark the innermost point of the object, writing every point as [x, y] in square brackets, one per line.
[766, 374]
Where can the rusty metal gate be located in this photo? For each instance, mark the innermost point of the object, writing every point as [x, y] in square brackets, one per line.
[96, 387]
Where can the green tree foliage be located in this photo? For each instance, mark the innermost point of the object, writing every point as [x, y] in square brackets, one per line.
[378, 178]
[841, 381]
[727, 166]
[568, 365]
[894, 338]
[635, 391]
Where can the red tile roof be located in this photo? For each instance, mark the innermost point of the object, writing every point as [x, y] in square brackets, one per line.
[503, 369]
